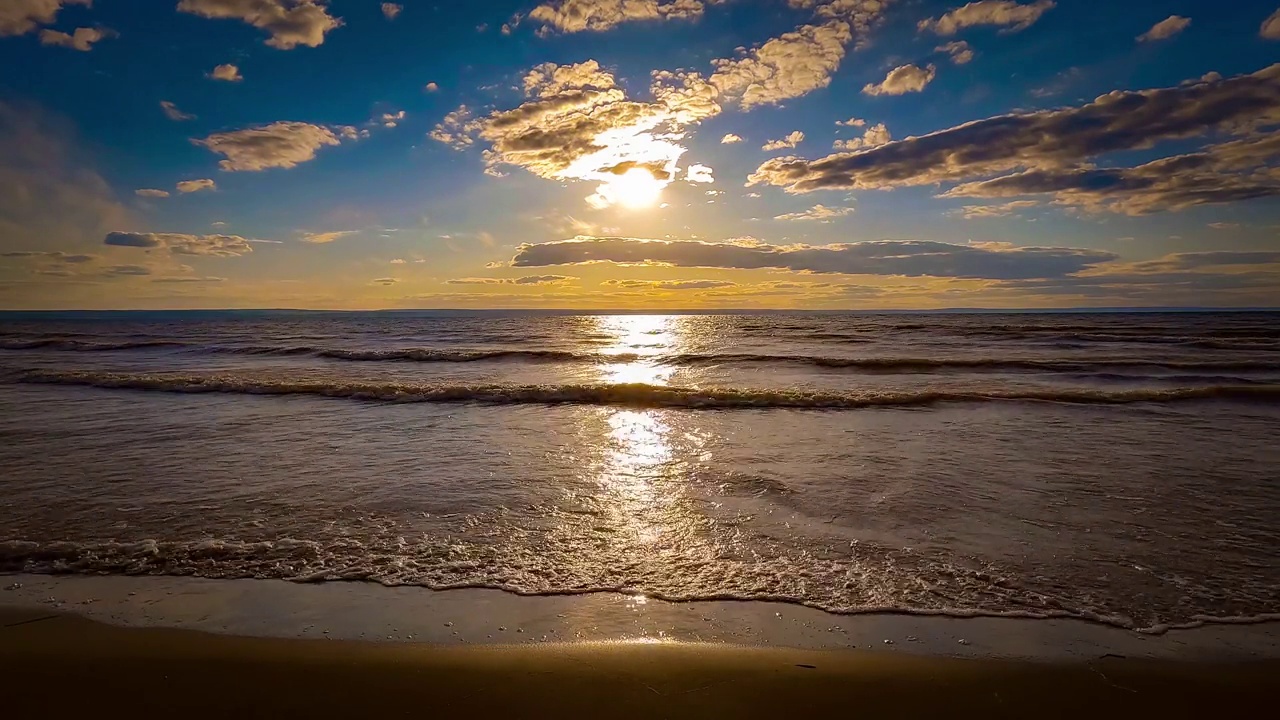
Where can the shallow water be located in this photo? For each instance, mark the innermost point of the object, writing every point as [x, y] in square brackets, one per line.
[1120, 468]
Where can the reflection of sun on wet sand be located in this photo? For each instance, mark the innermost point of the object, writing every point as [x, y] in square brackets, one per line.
[60, 666]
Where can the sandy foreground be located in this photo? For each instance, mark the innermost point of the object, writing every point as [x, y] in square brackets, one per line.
[195, 648]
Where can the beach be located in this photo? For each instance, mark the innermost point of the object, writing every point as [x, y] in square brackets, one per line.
[68, 664]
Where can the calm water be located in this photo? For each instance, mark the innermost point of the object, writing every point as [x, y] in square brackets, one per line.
[1122, 468]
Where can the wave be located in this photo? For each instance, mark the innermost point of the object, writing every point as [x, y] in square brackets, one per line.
[633, 395]
[62, 343]
[885, 365]
[349, 560]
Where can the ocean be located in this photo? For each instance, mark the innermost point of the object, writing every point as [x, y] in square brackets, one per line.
[1122, 468]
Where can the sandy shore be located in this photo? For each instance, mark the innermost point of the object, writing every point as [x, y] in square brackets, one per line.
[61, 665]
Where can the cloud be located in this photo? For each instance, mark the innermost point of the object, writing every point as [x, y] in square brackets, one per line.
[386, 281]
[960, 51]
[873, 136]
[82, 39]
[55, 255]
[172, 112]
[278, 145]
[699, 174]
[526, 280]
[821, 213]
[18, 17]
[151, 193]
[182, 244]
[226, 73]
[577, 125]
[970, 212]
[790, 65]
[1007, 13]
[902, 80]
[1165, 29]
[431, 87]
[1224, 225]
[127, 270]
[571, 16]
[183, 279]
[730, 139]
[325, 237]
[1117, 121]
[391, 10]
[852, 122]
[1222, 173]
[670, 284]
[1271, 27]
[190, 186]
[390, 120]
[911, 258]
[791, 140]
[289, 22]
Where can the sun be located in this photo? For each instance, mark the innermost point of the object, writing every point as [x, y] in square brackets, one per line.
[635, 188]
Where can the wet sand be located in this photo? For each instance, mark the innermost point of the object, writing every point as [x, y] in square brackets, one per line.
[61, 665]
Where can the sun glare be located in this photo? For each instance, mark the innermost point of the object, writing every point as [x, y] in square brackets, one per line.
[635, 188]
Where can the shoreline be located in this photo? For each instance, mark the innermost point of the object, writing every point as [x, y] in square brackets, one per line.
[71, 665]
[359, 611]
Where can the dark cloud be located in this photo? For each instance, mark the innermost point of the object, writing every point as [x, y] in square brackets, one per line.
[182, 244]
[1227, 172]
[1118, 121]
[885, 257]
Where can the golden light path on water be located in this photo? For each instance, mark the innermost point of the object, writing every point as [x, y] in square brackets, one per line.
[642, 459]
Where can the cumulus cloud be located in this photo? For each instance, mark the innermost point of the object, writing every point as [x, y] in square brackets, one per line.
[1271, 27]
[321, 238]
[791, 65]
[873, 136]
[290, 23]
[821, 213]
[182, 244]
[82, 39]
[699, 174]
[1061, 138]
[791, 140]
[190, 186]
[278, 145]
[526, 280]
[1007, 13]
[431, 87]
[912, 258]
[730, 139]
[18, 17]
[571, 16]
[971, 212]
[960, 51]
[852, 122]
[577, 125]
[670, 284]
[1165, 29]
[390, 120]
[902, 80]
[391, 10]
[226, 73]
[172, 112]
[1221, 173]
[151, 193]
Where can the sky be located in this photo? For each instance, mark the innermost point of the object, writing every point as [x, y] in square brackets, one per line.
[611, 154]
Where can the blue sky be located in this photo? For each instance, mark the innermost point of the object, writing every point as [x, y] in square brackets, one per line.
[532, 154]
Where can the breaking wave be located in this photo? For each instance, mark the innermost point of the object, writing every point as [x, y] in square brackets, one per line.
[634, 395]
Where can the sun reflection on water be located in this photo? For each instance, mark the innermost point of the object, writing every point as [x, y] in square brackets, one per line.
[639, 342]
